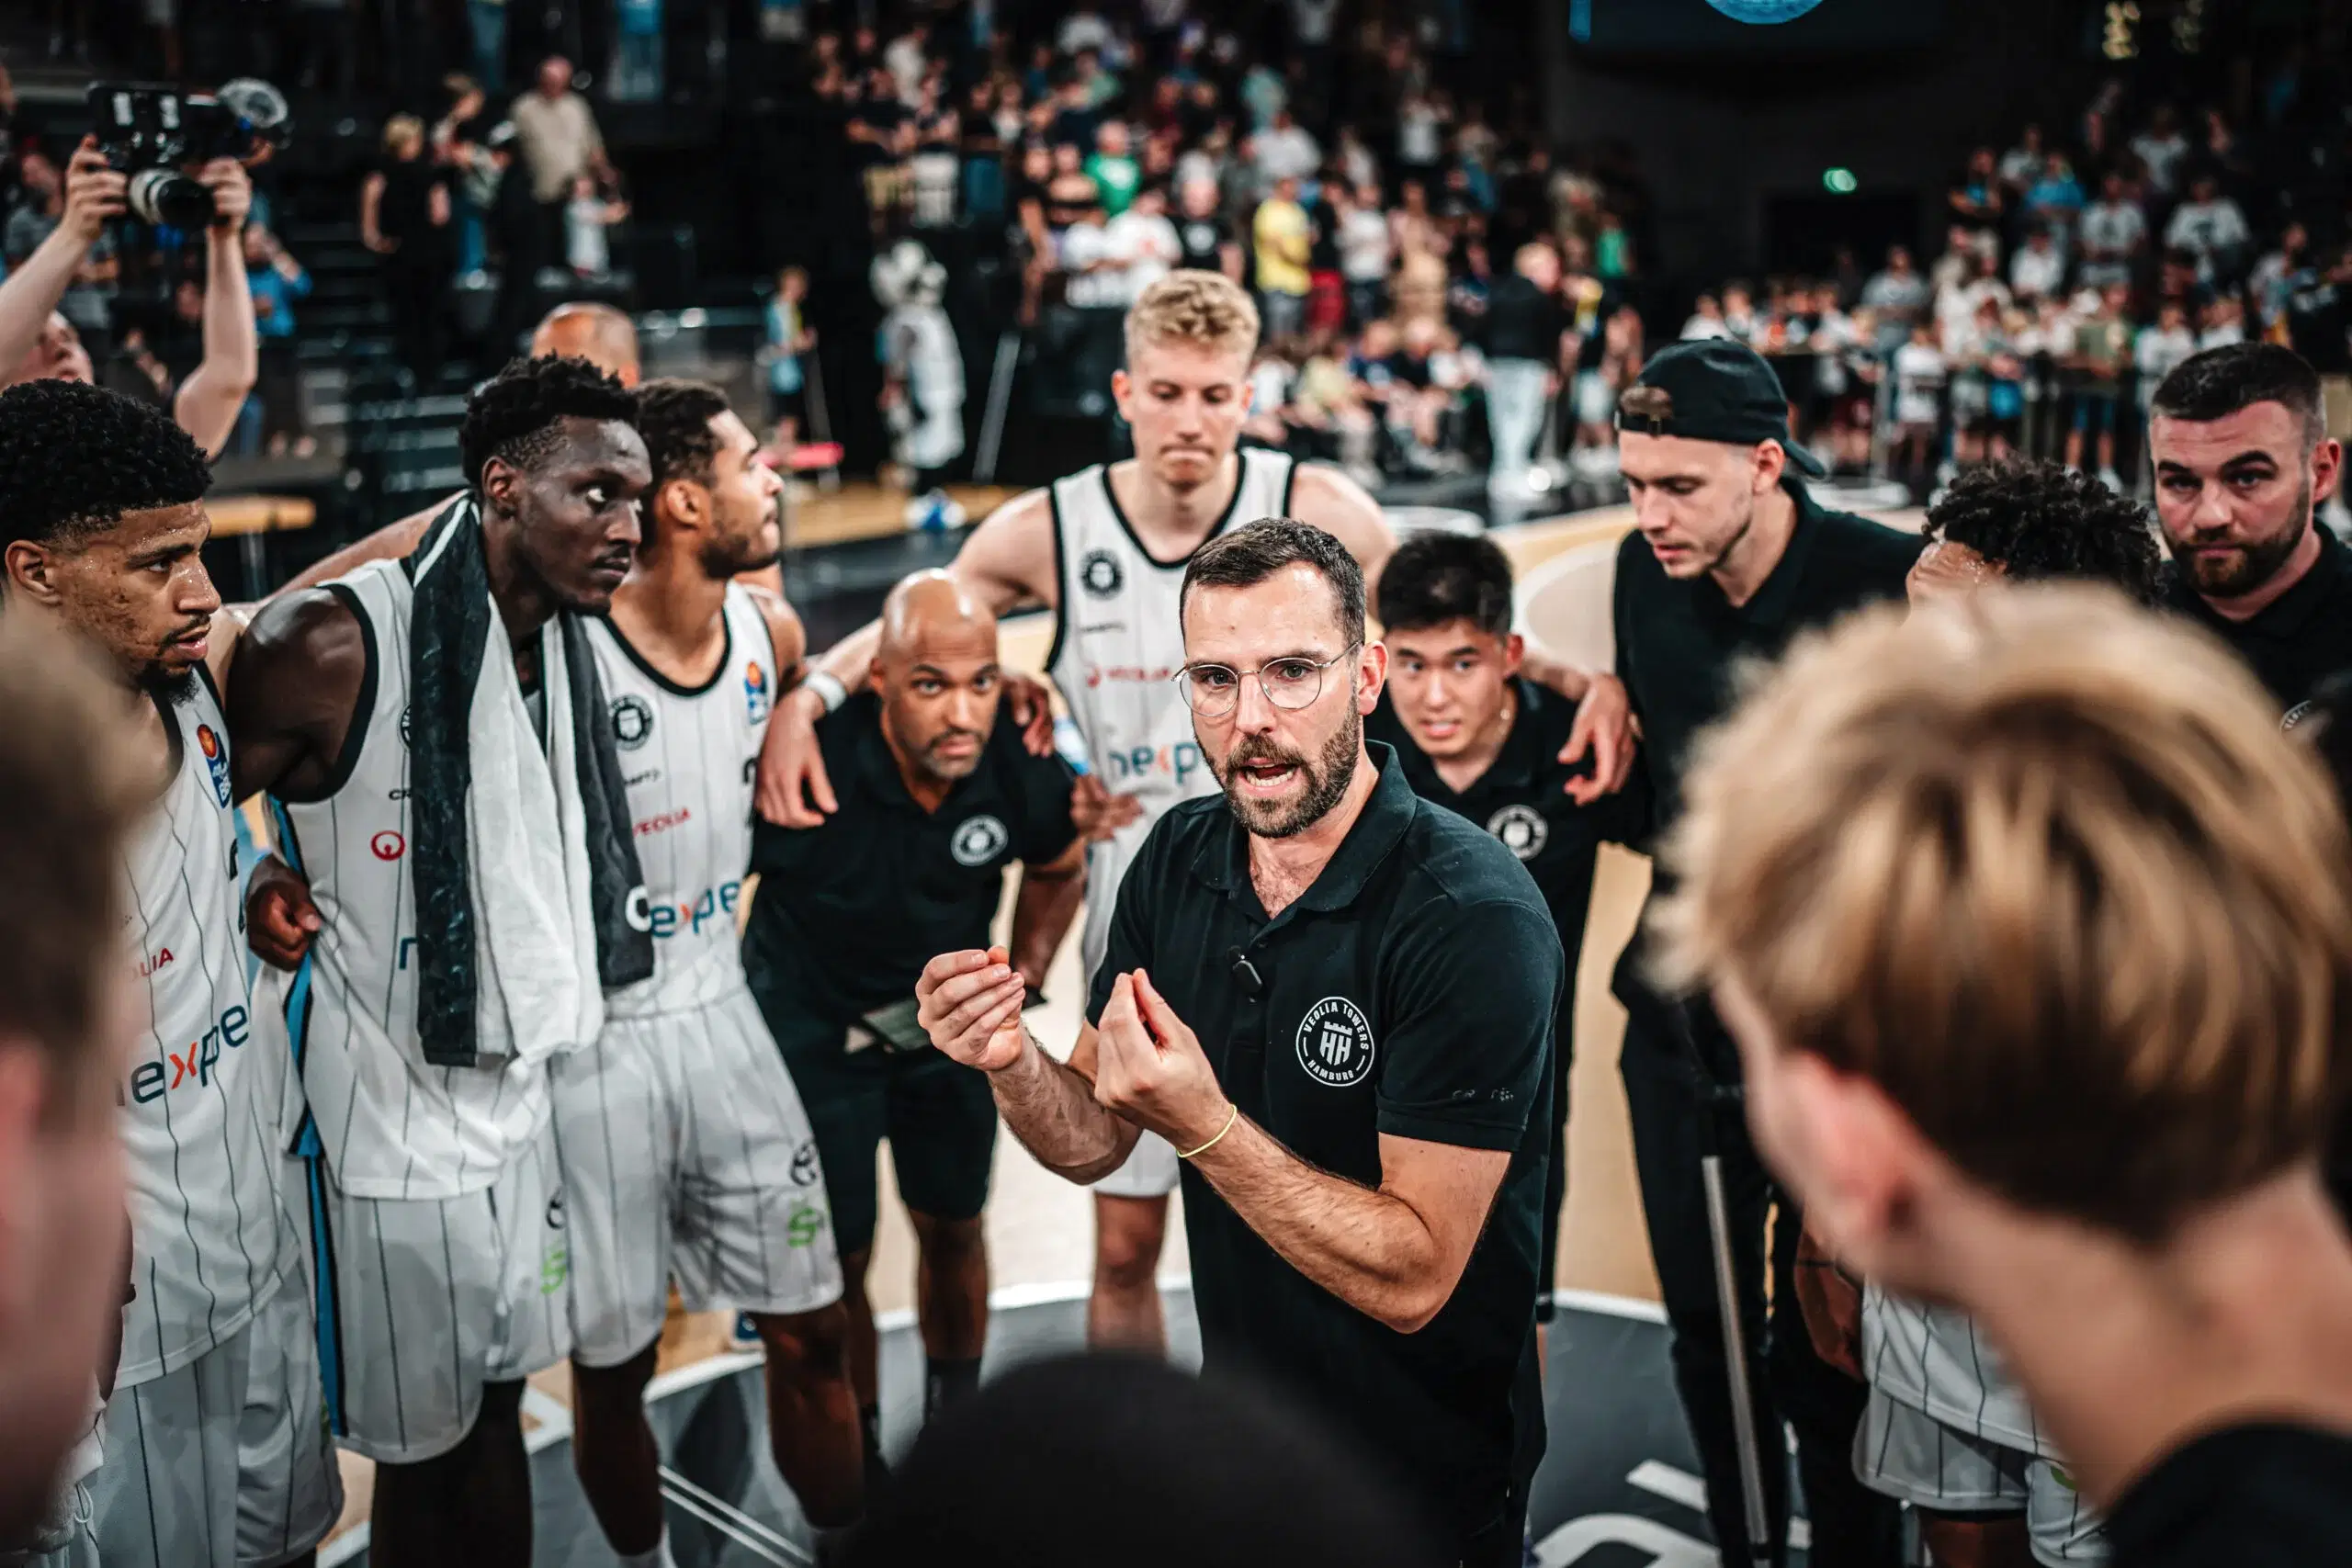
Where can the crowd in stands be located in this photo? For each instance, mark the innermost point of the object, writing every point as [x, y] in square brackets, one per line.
[2071, 281]
[1408, 254]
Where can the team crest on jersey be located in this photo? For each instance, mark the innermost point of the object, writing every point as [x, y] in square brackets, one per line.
[755, 693]
[1101, 574]
[1521, 830]
[632, 722]
[979, 841]
[805, 1169]
[1335, 1042]
[215, 759]
[403, 726]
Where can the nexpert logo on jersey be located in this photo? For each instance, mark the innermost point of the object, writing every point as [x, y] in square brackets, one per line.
[1179, 761]
[215, 759]
[150, 1081]
[690, 915]
[755, 693]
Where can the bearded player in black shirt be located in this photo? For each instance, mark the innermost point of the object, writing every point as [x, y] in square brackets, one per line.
[2036, 936]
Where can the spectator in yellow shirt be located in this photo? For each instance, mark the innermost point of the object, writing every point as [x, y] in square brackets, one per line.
[1282, 237]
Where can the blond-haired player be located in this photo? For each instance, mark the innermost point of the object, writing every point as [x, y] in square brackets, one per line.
[2036, 936]
[1105, 550]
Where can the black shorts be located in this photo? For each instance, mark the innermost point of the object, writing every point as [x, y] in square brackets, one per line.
[939, 1115]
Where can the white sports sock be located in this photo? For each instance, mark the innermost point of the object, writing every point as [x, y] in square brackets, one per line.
[658, 1558]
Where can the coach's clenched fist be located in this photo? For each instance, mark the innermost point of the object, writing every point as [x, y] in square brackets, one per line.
[1149, 1068]
[969, 1003]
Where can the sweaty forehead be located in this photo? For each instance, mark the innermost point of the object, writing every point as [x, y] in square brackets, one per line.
[600, 446]
[1651, 458]
[150, 529]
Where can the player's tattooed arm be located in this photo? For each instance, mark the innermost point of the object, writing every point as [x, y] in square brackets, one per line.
[293, 693]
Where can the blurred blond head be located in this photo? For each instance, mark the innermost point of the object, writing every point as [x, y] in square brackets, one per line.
[2029, 896]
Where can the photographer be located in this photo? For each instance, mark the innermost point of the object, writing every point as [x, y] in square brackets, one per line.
[36, 342]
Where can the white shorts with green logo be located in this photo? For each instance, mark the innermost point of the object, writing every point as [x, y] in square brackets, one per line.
[430, 1299]
[687, 1155]
[1909, 1454]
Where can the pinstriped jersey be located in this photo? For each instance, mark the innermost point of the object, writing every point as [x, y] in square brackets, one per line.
[688, 756]
[199, 1110]
[1118, 641]
[1933, 1359]
[391, 1124]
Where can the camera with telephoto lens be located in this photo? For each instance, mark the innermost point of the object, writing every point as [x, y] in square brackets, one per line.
[155, 135]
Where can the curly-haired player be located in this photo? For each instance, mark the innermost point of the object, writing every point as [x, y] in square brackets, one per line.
[212, 1447]
[2034, 521]
[364, 707]
[1947, 1429]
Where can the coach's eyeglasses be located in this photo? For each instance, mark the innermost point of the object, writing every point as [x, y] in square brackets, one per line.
[1213, 690]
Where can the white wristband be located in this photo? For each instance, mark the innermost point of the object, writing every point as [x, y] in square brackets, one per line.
[830, 692]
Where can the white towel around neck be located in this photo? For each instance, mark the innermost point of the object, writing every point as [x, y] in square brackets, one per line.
[528, 862]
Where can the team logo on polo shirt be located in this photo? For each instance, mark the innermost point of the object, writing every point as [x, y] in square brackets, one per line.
[632, 722]
[1335, 1042]
[979, 841]
[755, 693]
[1521, 830]
[1101, 574]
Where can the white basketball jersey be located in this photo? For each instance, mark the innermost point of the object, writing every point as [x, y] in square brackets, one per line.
[199, 1110]
[689, 756]
[1933, 1359]
[1118, 641]
[391, 1124]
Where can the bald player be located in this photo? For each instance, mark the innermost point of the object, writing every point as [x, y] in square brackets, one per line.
[935, 796]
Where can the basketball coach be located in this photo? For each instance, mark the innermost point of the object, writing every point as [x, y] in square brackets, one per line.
[1335, 1000]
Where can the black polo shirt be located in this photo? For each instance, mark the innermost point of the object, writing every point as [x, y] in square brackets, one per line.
[1409, 991]
[2297, 640]
[848, 913]
[2250, 1496]
[1521, 800]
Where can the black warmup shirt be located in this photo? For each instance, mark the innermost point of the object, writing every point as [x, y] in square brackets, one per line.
[1522, 322]
[1409, 991]
[1679, 644]
[847, 914]
[1521, 800]
[2254, 1496]
[2296, 642]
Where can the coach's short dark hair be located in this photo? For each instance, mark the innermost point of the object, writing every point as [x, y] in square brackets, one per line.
[674, 414]
[514, 416]
[1254, 552]
[74, 458]
[2040, 521]
[1436, 577]
[2222, 381]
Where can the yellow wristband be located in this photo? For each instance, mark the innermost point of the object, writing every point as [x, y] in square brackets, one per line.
[1221, 1132]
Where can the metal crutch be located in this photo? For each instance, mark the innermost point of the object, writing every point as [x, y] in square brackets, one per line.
[1713, 1096]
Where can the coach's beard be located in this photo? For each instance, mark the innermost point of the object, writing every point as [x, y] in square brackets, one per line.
[1325, 780]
